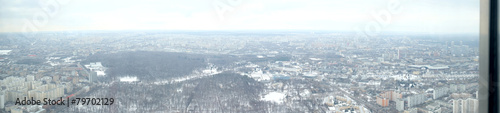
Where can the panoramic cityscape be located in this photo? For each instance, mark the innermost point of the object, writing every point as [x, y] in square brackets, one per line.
[241, 71]
[244, 56]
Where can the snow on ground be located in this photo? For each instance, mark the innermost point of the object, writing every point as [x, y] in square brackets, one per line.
[128, 79]
[260, 76]
[189, 77]
[100, 73]
[274, 97]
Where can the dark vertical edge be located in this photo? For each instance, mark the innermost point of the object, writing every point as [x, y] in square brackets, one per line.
[493, 58]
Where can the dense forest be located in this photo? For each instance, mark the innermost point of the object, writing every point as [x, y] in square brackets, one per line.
[31, 61]
[224, 92]
[150, 65]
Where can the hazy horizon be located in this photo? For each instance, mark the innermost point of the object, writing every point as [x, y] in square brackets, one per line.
[422, 16]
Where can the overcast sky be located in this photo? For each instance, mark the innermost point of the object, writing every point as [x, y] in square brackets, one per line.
[442, 16]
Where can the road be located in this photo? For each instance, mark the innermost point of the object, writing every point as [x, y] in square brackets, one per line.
[369, 105]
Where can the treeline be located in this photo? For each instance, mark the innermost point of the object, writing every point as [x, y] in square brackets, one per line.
[31, 61]
[279, 57]
[226, 92]
[148, 65]
[152, 65]
[231, 92]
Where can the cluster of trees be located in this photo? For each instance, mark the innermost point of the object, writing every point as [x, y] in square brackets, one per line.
[153, 65]
[224, 92]
[31, 61]
[232, 92]
[278, 57]
[148, 65]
